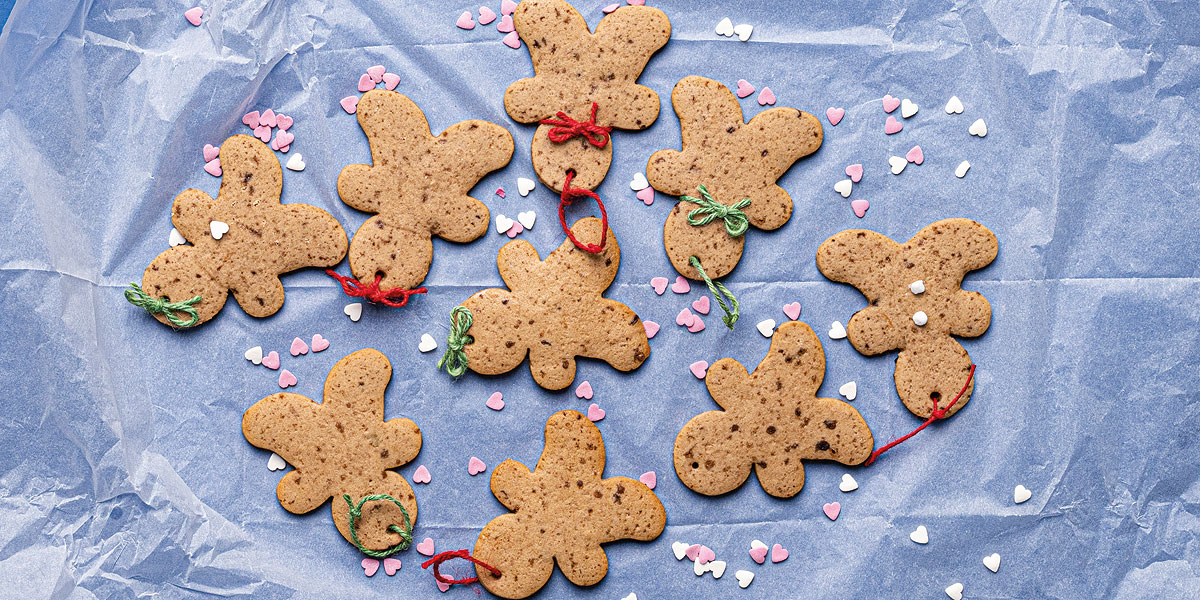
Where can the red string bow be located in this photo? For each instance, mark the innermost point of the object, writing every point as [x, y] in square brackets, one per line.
[442, 557]
[395, 297]
[566, 128]
[938, 413]
[569, 194]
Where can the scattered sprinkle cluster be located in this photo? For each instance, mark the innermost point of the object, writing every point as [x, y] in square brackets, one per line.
[466, 21]
[271, 359]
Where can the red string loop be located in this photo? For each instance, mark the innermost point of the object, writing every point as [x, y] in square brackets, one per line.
[569, 194]
[938, 413]
[566, 128]
[395, 297]
[442, 557]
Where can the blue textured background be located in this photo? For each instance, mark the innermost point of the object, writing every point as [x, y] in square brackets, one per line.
[125, 474]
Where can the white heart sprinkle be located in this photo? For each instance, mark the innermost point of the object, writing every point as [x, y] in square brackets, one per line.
[176, 238]
[680, 549]
[276, 462]
[1021, 494]
[837, 331]
[920, 318]
[503, 224]
[757, 544]
[218, 229]
[978, 128]
[898, 163]
[354, 311]
[631, 596]
[961, 170]
[844, 187]
[526, 219]
[920, 535]
[992, 562]
[908, 108]
[717, 568]
[525, 185]
[848, 483]
[428, 344]
[917, 287]
[639, 183]
[725, 27]
[849, 390]
[700, 569]
[743, 31]
[955, 591]
[766, 327]
[296, 162]
[744, 578]
[254, 355]
[954, 106]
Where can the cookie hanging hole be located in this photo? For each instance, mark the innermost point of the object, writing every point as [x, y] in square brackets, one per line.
[695, 465]
[935, 396]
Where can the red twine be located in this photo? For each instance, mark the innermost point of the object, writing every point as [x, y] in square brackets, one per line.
[566, 128]
[395, 297]
[442, 557]
[938, 413]
[569, 194]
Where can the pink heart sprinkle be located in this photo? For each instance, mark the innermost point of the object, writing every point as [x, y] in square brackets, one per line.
[684, 318]
[696, 325]
[421, 475]
[778, 554]
[892, 126]
[475, 466]
[659, 284]
[681, 285]
[831, 510]
[854, 172]
[890, 103]
[507, 7]
[835, 115]
[595, 413]
[699, 368]
[376, 73]
[251, 119]
[650, 478]
[391, 565]
[213, 167]
[495, 401]
[505, 25]
[692, 552]
[268, 118]
[486, 15]
[859, 207]
[365, 84]
[211, 152]
[915, 156]
[299, 347]
[705, 554]
[390, 81]
[443, 587]
[646, 195]
[283, 139]
[271, 360]
[349, 104]
[286, 379]
[759, 554]
[465, 21]
[515, 229]
[636, 2]
[193, 15]
[285, 148]
[500, 192]
[792, 310]
[263, 133]
[744, 88]
[610, 8]
[584, 390]
[766, 96]
[319, 342]
[284, 122]
[651, 329]
[702, 305]
[370, 566]
[512, 40]
[426, 547]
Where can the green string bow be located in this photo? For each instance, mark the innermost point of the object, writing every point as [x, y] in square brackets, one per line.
[163, 306]
[455, 360]
[405, 533]
[736, 222]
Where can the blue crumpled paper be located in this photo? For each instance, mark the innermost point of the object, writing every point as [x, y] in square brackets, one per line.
[125, 473]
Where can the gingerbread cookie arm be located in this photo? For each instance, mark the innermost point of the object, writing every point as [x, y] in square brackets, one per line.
[857, 257]
[191, 213]
[510, 483]
[321, 241]
[257, 421]
[519, 264]
[582, 562]
[259, 295]
[794, 365]
[711, 453]
[251, 175]
[723, 379]
[630, 38]
[844, 429]
[621, 339]
[574, 448]
[975, 314]
[401, 443]
[647, 525]
[780, 479]
[953, 247]
[577, 269]
[872, 332]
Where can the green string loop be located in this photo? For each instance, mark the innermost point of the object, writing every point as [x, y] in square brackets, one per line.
[455, 360]
[718, 290]
[736, 222]
[405, 533]
[163, 306]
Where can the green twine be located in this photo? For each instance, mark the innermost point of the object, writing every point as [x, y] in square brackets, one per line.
[736, 222]
[405, 533]
[163, 306]
[455, 360]
[718, 289]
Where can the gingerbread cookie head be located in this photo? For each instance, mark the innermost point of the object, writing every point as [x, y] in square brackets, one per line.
[342, 446]
[562, 512]
[574, 69]
[771, 421]
[736, 162]
[554, 311]
[240, 242]
[916, 304]
[417, 186]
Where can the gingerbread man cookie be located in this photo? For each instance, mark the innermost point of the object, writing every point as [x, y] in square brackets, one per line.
[916, 304]
[417, 186]
[240, 242]
[554, 313]
[585, 83]
[772, 420]
[343, 446]
[562, 512]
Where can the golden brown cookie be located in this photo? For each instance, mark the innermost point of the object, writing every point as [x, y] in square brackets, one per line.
[772, 420]
[734, 161]
[554, 312]
[574, 68]
[342, 446]
[417, 185]
[264, 238]
[562, 512]
[932, 365]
